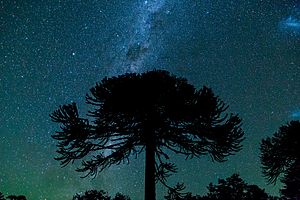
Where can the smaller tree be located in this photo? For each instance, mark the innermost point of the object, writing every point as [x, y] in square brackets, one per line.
[280, 155]
[234, 188]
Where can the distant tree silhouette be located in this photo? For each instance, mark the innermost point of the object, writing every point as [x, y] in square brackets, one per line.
[21, 197]
[99, 195]
[92, 195]
[280, 155]
[152, 111]
[120, 196]
[233, 188]
[1, 196]
[14, 197]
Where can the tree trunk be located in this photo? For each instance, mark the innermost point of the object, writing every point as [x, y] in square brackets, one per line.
[150, 171]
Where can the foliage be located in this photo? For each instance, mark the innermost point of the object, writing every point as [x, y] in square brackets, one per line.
[92, 195]
[1, 196]
[280, 155]
[233, 188]
[152, 111]
[292, 182]
[120, 196]
[99, 195]
[14, 197]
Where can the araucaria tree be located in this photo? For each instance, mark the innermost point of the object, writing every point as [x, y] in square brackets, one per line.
[151, 112]
[280, 155]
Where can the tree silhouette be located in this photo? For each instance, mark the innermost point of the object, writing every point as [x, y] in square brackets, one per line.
[152, 111]
[99, 195]
[292, 182]
[234, 188]
[120, 196]
[14, 197]
[1, 196]
[280, 155]
[92, 195]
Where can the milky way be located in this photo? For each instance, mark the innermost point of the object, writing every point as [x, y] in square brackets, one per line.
[132, 52]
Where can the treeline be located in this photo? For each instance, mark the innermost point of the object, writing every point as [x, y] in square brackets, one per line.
[232, 188]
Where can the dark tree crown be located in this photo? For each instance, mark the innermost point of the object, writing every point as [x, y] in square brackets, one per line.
[280, 152]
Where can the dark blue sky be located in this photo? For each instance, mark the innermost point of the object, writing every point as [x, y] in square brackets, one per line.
[53, 51]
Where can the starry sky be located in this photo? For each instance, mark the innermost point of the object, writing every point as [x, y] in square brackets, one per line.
[53, 51]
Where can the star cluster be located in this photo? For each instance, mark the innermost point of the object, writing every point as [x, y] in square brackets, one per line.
[54, 51]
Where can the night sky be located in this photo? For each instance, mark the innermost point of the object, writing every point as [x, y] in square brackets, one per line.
[53, 51]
